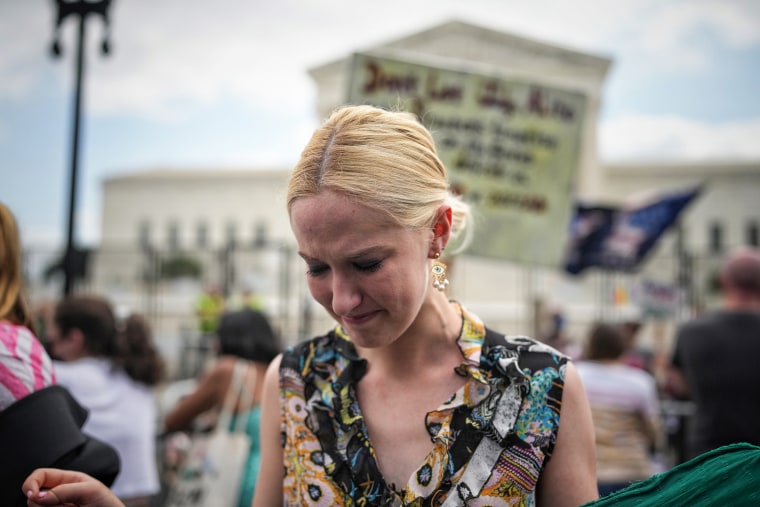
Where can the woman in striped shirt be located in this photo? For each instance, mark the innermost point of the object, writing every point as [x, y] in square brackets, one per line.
[25, 367]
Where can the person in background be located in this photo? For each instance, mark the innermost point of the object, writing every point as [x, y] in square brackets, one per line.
[625, 409]
[209, 308]
[110, 367]
[247, 298]
[410, 399]
[242, 335]
[714, 361]
[40, 423]
[635, 355]
[25, 366]
[557, 337]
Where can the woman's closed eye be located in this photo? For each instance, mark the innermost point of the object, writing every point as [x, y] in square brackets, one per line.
[368, 266]
[316, 270]
[364, 267]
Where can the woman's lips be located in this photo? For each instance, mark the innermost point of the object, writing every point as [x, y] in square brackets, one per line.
[356, 320]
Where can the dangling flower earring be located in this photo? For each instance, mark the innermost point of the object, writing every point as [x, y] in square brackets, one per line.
[440, 281]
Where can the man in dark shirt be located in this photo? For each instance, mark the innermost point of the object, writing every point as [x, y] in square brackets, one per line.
[716, 361]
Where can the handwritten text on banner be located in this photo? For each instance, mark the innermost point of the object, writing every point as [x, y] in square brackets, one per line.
[511, 148]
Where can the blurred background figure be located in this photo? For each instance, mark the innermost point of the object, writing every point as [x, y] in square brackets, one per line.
[25, 366]
[247, 298]
[242, 335]
[209, 308]
[40, 424]
[715, 361]
[625, 409]
[635, 354]
[556, 334]
[110, 366]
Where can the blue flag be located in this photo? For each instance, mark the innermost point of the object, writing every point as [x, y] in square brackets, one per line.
[618, 239]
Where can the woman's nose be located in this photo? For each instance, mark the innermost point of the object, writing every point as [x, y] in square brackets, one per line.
[345, 294]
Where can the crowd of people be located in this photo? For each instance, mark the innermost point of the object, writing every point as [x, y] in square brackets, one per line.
[411, 399]
[82, 395]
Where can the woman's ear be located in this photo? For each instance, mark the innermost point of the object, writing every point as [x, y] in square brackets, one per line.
[79, 344]
[441, 230]
[72, 345]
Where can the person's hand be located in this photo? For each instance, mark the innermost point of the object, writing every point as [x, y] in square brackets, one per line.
[64, 488]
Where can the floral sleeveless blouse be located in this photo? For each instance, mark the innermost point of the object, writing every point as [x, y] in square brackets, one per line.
[491, 439]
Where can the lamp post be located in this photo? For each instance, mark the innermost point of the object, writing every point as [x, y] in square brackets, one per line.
[82, 9]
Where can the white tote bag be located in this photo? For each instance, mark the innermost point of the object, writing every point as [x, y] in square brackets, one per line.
[213, 469]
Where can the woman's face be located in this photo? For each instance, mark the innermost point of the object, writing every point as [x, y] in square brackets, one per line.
[63, 348]
[368, 272]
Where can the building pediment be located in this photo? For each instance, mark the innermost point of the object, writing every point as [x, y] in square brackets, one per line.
[462, 45]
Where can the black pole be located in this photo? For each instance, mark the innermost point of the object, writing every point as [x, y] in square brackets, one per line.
[68, 262]
[73, 258]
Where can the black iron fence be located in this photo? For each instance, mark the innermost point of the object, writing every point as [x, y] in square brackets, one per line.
[164, 285]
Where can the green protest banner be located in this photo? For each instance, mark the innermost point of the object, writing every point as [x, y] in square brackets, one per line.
[511, 147]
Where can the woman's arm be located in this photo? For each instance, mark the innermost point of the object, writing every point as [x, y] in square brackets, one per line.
[652, 430]
[207, 394]
[651, 418]
[269, 483]
[569, 478]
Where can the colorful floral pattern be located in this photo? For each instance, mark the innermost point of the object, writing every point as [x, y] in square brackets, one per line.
[503, 420]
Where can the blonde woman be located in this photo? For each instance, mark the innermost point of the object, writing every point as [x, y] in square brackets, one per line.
[410, 399]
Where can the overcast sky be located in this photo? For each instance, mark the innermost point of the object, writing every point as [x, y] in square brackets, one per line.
[224, 83]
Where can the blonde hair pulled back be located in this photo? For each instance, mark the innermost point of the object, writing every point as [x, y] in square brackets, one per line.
[386, 160]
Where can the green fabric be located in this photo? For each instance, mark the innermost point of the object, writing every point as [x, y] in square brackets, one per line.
[727, 476]
[248, 481]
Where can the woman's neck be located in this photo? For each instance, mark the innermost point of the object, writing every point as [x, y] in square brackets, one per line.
[431, 339]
